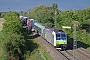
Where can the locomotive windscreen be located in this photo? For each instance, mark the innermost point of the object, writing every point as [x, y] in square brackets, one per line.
[60, 36]
[63, 35]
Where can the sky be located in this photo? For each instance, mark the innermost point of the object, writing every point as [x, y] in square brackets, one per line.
[24, 5]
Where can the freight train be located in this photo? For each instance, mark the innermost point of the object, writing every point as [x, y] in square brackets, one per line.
[54, 36]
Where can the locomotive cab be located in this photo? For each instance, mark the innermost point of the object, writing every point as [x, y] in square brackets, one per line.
[61, 40]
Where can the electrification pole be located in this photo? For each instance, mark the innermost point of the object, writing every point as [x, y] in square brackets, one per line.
[55, 22]
[28, 14]
[74, 43]
[28, 25]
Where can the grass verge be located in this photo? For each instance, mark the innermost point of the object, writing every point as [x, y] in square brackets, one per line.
[34, 48]
[32, 51]
[35, 55]
[43, 51]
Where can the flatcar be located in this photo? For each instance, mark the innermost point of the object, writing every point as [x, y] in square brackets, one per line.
[55, 37]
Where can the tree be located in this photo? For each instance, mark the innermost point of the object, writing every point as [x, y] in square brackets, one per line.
[13, 40]
[54, 6]
[2, 14]
[12, 23]
[42, 13]
[12, 44]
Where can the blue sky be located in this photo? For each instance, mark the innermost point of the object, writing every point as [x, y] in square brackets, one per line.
[24, 5]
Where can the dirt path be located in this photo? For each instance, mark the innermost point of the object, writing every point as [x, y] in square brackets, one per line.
[1, 21]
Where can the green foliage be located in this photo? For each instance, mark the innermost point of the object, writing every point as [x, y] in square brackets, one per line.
[2, 14]
[79, 17]
[16, 44]
[13, 42]
[22, 13]
[35, 55]
[45, 14]
[13, 23]
[54, 6]
[3, 58]
[1, 35]
[86, 39]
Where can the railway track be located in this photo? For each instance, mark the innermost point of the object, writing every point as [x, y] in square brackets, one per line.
[67, 54]
[83, 53]
[51, 50]
[80, 54]
[55, 54]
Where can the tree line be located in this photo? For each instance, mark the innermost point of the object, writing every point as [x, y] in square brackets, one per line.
[13, 38]
[52, 16]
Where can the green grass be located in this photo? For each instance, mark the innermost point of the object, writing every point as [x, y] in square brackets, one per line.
[2, 58]
[35, 55]
[1, 44]
[88, 48]
[42, 49]
[32, 51]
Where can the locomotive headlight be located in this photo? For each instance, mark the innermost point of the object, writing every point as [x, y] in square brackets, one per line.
[65, 42]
